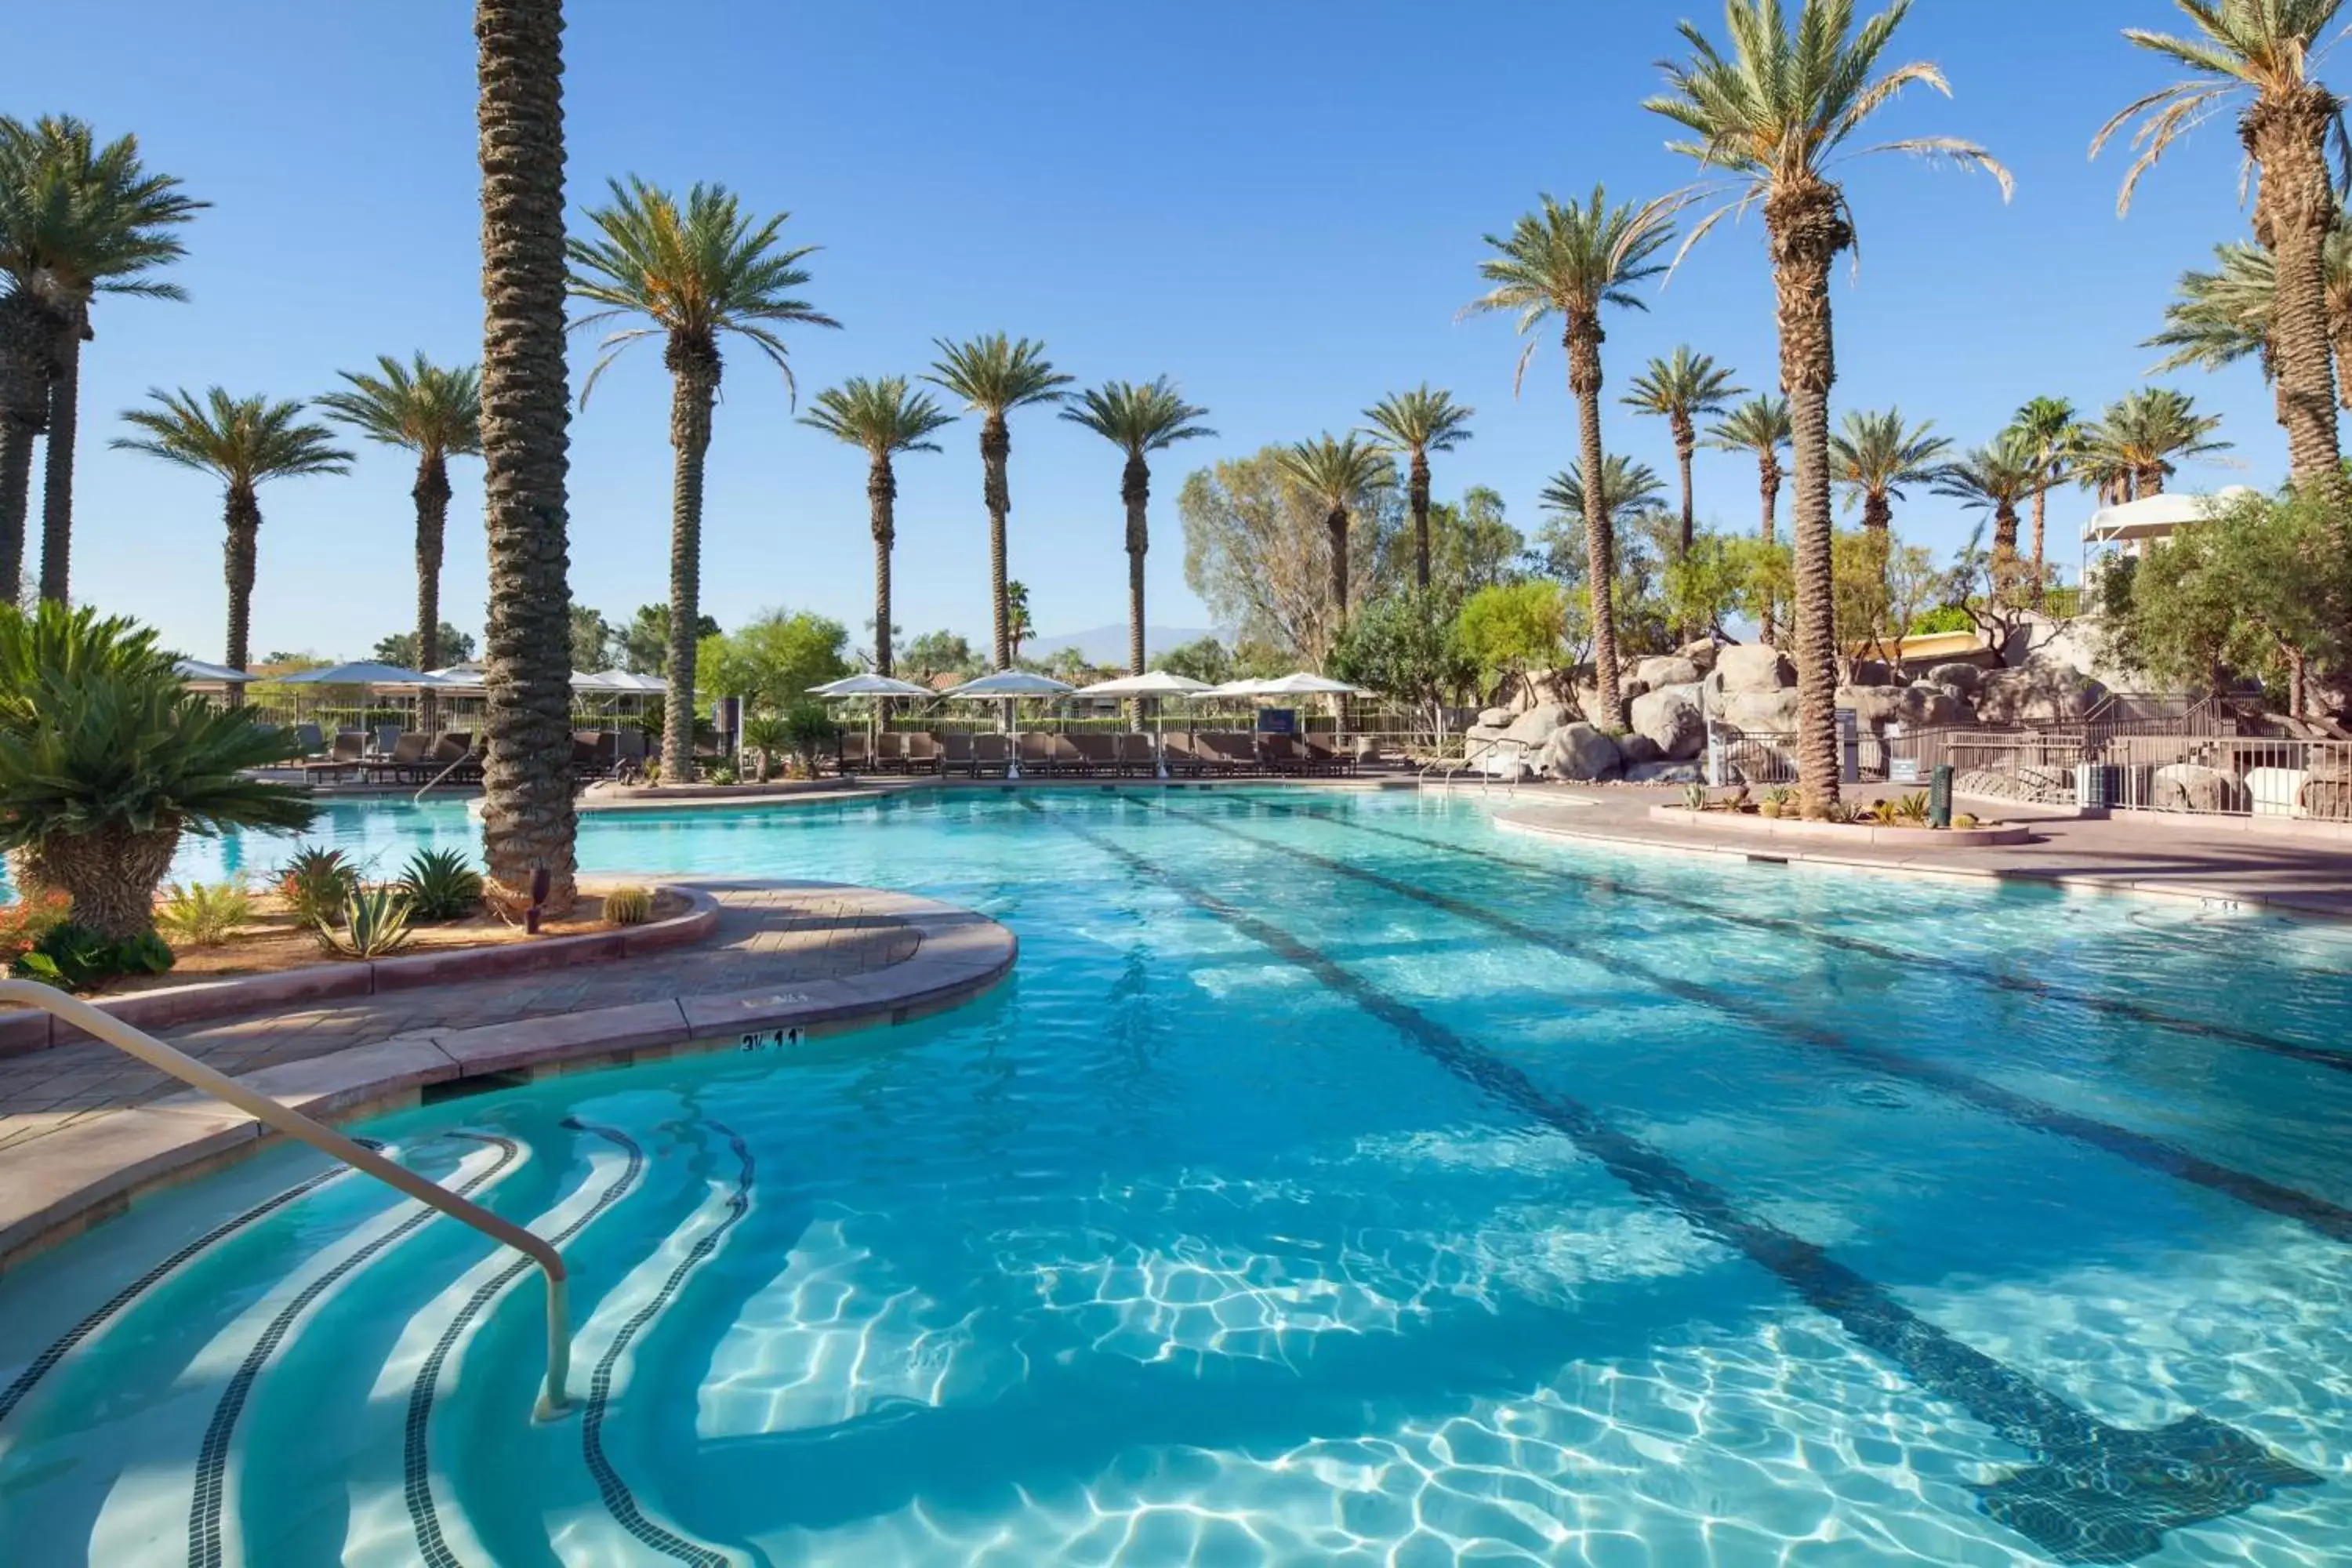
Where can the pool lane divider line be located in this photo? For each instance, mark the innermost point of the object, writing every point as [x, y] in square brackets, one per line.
[205, 1548]
[2024, 984]
[2096, 1493]
[619, 1500]
[43, 1363]
[2330, 1219]
[417, 1467]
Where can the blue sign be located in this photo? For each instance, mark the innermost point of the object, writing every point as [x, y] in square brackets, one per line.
[1277, 721]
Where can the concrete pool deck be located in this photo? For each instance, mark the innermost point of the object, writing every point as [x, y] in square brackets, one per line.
[2220, 865]
[84, 1129]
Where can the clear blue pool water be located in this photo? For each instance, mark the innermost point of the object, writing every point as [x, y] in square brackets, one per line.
[1338, 1181]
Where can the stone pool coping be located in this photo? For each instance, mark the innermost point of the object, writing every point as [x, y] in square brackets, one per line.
[54, 1187]
[878, 786]
[1930, 841]
[24, 1030]
[2068, 850]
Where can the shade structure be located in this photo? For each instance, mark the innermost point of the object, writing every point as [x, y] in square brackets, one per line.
[629, 681]
[2156, 516]
[1012, 683]
[1152, 683]
[582, 681]
[197, 672]
[871, 684]
[364, 672]
[1247, 686]
[1300, 683]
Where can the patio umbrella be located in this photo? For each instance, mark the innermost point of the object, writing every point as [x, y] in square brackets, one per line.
[630, 680]
[868, 684]
[1302, 684]
[1152, 683]
[1006, 685]
[364, 672]
[197, 672]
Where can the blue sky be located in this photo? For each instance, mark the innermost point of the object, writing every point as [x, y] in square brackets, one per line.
[1279, 204]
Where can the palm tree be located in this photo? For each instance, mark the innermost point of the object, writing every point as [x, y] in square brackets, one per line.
[76, 220]
[242, 442]
[528, 822]
[2128, 453]
[2220, 316]
[2050, 427]
[1760, 426]
[1773, 114]
[1679, 389]
[1572, 259]
[1140, 420]
[1335, 474]
[1875, 454]
[1625, 486]
[2260, 52]
[883, 418]
[1018, 627]
[694, 274]
[995, 374]
[1996, 478]
[435, 414]
[1414, 425]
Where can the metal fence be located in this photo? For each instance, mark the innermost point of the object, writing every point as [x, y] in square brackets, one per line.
[2138, 765]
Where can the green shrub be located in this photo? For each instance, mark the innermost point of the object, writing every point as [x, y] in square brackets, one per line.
[205, 913]
[76, 958]
[629, 906]
[720, 773]
[767, 738]
[1912, 809]
[1693, 798]
[317, 883]
[441, 885]
[23, 924]
[809, 731]
[376, 923]
[1964, 819]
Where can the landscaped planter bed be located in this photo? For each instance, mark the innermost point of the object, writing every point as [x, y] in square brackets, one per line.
[1879, 834]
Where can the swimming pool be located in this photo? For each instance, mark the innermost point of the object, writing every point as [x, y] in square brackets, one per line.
[1337, 1180]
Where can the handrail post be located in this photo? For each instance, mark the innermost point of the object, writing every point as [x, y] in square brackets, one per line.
[553, 1399]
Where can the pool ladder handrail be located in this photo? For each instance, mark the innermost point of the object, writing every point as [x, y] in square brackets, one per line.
[553, 1399]
[1449, 768]
[434, 782]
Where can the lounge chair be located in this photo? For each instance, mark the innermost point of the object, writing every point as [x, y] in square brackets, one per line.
[990, 754]
[452, 760]
[1228, 752]
[1182, 754]
[381, 743]
[401, 762]
[347, 756]
[854, 756]
[1067, 758]
[1283, 754]
[307, 736]
[889, 753]
[922, 752]
[1099, 754]
[1034, 751]
[955, 752]
[1137, 755]
[1331, 759]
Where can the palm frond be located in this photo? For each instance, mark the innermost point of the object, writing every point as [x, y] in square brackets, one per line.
[1141, 417]
[880, 415]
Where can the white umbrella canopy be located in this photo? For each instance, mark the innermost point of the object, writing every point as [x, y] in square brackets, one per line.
[1152, 683]
[1247, 686]
[871, 684]
[629, 681]
[1300, 683]
[1012, 683]
[202, 674]
[363, 672]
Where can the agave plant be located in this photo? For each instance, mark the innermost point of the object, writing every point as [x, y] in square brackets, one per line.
[316, 882]
[441, 885]
[1912, 809]
[1693, 798]
[376, 923]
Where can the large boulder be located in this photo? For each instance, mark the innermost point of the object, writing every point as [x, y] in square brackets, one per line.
[1760, 712]
[1915, 707]
[1662, 669]
[2327, 787]
[1873, 672]
[1637, 749]
[1961, 677]
[1536, 724]
[1495, 718]
[1751, 667]
[2036, 694]
[1581, 755]
[1672, 722]
[1701, 654]
[2190, 786]
[1664, 773]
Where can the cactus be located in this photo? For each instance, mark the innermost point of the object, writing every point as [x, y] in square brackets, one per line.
[629, 906]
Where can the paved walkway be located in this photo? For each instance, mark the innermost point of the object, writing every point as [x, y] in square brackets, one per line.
[769, 934]
[2129, 852]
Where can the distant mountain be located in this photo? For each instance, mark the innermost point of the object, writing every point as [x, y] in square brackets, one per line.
[1108, 645]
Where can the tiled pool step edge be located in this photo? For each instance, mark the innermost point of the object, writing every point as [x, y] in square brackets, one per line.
[55, 1187]
[23, 1030]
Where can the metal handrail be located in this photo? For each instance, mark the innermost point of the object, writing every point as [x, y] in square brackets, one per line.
[552, 1398]
[1449, 768]
[431, 783]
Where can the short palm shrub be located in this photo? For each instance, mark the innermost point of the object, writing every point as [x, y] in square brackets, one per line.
[1912, 809]
[629, 906]
[441, 885]
[317, 883]
[376, 923]
[73, 957]
[204, 914]
[106, 760]
[767, 738]
[809, 732]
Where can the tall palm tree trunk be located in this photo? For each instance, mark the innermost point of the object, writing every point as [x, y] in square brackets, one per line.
[2287, 134]
[2004, 535]
[694, 369]
[431, 493]
[57, 474]
[1417, 493]
[527, 820]
[1877, 513]
[995, 452]
[1807, 231]
[242, 514]
[1134, 489]
[1335, 525]
[1685, 444]
[1582, 339]
[15, 497]
[881, 502]
[1767, 482]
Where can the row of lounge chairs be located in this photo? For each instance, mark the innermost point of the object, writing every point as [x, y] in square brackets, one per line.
[1041, 754]
[412, 757]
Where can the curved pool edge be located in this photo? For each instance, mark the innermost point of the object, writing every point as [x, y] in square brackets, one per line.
[55, 1187]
